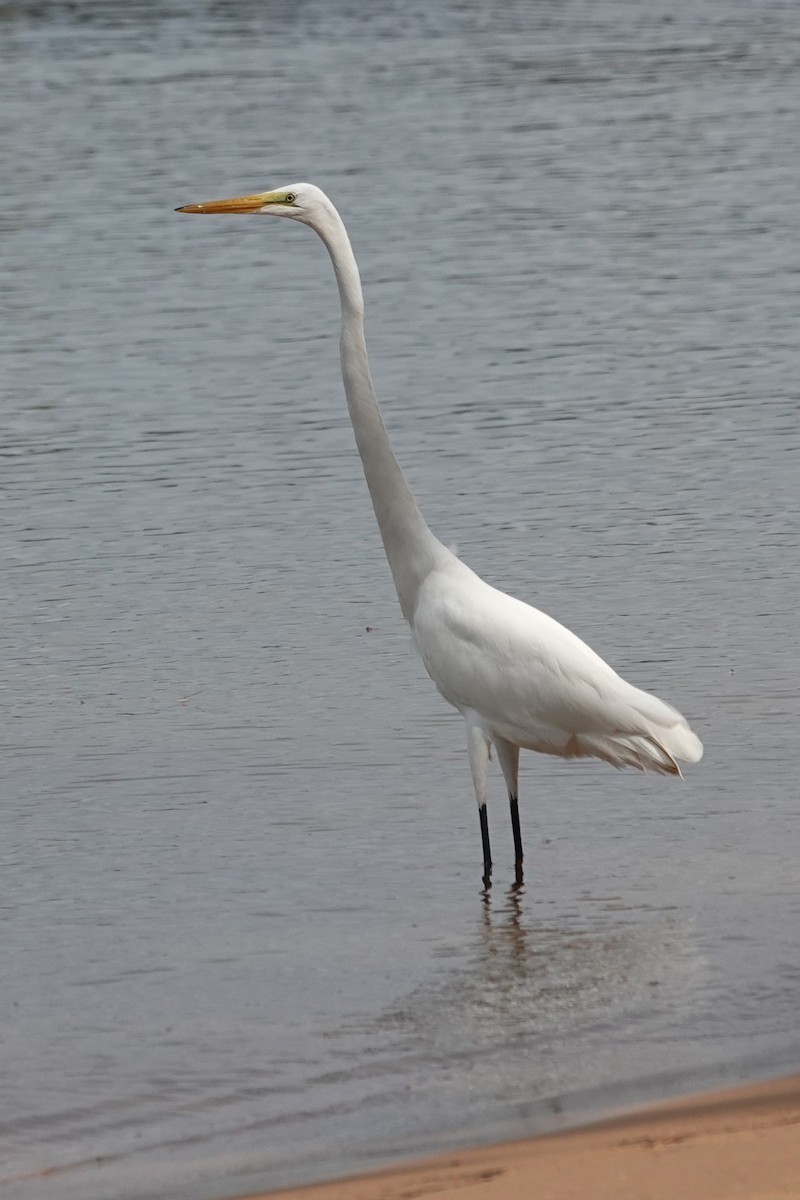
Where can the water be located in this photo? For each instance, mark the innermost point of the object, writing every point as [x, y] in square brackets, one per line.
[243, 940]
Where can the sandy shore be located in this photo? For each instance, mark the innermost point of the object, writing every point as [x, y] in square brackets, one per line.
[731, 1145]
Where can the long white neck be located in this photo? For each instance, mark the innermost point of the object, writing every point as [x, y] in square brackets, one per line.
[411, 548]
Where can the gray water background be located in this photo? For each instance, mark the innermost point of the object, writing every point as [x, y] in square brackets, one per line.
[242, 938]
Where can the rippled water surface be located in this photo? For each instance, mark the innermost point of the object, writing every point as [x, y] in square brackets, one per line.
[243, 941]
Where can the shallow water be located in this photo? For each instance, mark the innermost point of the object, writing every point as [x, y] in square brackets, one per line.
[243, 938]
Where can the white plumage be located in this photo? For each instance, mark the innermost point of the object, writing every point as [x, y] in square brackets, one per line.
[521, 680]
[531, 681]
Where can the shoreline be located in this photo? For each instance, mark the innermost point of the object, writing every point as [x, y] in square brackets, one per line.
[741, 1142]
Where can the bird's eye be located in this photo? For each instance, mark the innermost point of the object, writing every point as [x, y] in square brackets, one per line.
[289, 198]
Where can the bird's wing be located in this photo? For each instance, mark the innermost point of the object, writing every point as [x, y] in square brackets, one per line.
[521, 670]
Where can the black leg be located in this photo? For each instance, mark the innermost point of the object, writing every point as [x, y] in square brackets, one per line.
[487, 853]
[515, 829]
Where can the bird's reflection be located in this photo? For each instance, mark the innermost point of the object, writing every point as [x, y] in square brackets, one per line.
[504, 936]
[528, 976]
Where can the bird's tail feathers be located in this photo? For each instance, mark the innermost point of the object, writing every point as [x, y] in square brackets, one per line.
[683, 742]
[655, 752]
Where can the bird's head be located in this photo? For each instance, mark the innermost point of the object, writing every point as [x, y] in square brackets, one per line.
[299, 201]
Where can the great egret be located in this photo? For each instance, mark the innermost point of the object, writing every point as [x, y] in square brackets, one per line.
[519, 678]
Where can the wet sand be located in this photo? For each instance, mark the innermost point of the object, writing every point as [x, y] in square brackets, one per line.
[743, 1144]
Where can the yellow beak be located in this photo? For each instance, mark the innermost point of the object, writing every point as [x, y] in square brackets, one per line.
[239, 204]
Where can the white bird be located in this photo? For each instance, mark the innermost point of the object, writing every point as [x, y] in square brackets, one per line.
[520, 680]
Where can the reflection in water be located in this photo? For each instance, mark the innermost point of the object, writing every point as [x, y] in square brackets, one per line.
[507, 935]
[529, 983]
